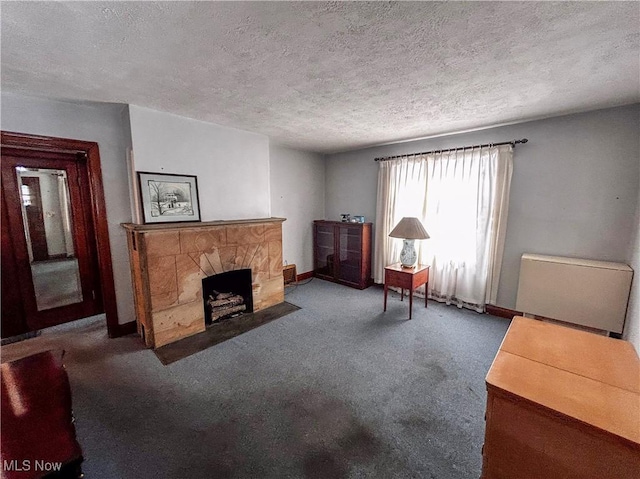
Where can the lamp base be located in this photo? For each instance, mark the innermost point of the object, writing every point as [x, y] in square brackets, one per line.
[408, 255]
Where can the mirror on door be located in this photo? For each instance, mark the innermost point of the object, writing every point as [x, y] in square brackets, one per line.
[47, 219]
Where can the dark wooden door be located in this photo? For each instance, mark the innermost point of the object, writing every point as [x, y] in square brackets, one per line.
[13, 316]
[51, 290]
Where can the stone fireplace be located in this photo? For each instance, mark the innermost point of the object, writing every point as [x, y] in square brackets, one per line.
[170, 264]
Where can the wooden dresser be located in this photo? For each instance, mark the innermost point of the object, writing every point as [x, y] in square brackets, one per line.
[562, 403]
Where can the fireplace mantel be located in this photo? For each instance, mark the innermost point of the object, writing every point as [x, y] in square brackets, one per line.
[169, 261]
[198, 225]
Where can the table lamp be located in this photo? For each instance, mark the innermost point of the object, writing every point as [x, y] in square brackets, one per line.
[409, 229]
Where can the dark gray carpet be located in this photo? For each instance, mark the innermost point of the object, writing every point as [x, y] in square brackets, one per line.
[221, 331]
[336, 389]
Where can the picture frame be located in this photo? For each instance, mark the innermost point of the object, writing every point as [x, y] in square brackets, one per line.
[168, 198]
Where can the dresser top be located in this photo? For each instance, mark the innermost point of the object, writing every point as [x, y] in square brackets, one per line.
[608, 360]
[585, 376]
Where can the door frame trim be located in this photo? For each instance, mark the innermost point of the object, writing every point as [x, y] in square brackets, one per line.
[98, 208]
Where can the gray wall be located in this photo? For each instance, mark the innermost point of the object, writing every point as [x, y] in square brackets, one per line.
[101, 123]
[232, 165]
[297, 194]
[574, 189]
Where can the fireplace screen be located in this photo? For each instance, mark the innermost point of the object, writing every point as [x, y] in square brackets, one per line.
[227, 295]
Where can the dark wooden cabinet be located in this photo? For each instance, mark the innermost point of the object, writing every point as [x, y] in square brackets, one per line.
[342, 252]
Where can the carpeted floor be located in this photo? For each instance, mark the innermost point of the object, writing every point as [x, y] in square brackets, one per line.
[221, 331]
[336, 389]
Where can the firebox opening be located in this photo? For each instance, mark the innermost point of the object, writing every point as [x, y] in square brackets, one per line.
[227, 295]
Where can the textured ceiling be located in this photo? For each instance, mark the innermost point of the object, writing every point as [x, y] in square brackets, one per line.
[330, 76]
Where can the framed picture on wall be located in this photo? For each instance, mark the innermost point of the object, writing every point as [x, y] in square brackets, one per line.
[168, 198]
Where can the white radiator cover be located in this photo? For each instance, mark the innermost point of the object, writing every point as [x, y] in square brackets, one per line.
[580, 291]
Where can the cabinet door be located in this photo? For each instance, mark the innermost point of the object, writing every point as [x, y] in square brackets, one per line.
[350, 254]
[325, 250]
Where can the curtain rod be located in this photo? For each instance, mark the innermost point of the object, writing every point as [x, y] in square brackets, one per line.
[512, 143]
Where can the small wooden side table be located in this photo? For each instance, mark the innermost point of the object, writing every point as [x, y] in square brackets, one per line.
[405, 278]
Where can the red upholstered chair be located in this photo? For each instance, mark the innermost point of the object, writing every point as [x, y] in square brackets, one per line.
[38, 438]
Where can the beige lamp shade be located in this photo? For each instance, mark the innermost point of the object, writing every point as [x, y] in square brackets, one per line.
[409, 228]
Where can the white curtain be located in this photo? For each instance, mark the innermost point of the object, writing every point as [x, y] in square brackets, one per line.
[462, 199]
